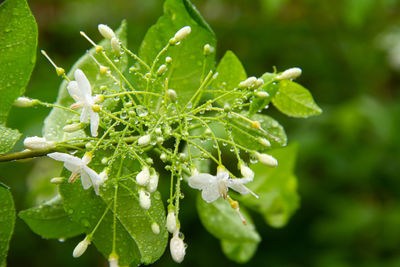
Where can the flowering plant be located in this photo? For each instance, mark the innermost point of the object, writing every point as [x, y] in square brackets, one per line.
[125, 122]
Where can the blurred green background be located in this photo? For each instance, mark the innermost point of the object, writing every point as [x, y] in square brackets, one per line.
[349, 162]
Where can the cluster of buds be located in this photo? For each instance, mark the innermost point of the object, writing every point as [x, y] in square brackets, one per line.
[251, 82]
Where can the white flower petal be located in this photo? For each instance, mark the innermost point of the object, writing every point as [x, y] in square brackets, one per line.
[239, 188]
[72, 167]
[94, 122]
[237, 185]
[85, 179]
[201, 180]
[83, 83]
[85, 113]
[95, 179]
[66, 158]
[210, 193]
[74, 91]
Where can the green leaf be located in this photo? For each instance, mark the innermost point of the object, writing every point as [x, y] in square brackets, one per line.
[18, 41]
[7, 220]
[50, 220]
[151, 246]
[188, 62]
[135, 241]
[294, 100]
[276, 188]
[85, 208]
[230, 73]
[54, 123]
[240, 252]
[8, 138]
[224, 223]
[247, 136]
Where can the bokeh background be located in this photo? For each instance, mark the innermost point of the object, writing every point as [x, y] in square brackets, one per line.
[349, 162]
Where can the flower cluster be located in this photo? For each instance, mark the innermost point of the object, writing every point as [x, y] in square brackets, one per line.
[141, 119]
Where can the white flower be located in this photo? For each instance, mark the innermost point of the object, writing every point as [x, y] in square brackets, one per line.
[264, 142]
[180, 35]
[24, 102]
[70, 128]
[81, 91]
[246, 171]
[267, 159]
[144, 140]
[171, 222]
[106, 31]
[177, 247]
[38, 143]
[289, 74]
[79, 167]
[115, 45]
[143, 177]
[248, 82]
[217, 186]
[81, 248]
[144, 199]
[153, 182]
[113, 261]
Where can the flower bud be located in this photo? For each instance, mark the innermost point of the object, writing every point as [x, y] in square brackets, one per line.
[144, 140]
[81, 248]
[99, 99]
[177, 248]
[267, 159]
[38, 143]
[73, 127]
[103, 69]
[246, 171]
[256, 124]
[106, 31]
[144, 199]
[172, 94]
[24, 102]
[249, 82]
[96, 108]
[264, 142]
[259, 82]
[113, 260]
[161, 70]
[207, 132]
[227, 107]
[153, 182]
[208, 50]
[180, 35]
[115, 45]
[163, 157]
[57, 180]
[289, 74]
[143, 177]
[158, 131]
[262, 94]
[155, 228]
[168, 60]
[171, 222]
